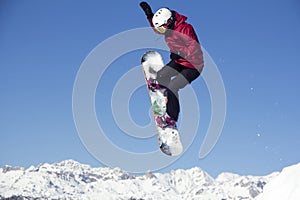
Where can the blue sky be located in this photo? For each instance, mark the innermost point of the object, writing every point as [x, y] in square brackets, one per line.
[255, 45]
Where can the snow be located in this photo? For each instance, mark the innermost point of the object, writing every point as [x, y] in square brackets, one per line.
[72, 180]
[286, 186]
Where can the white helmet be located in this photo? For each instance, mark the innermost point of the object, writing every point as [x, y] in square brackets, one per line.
[161, 17]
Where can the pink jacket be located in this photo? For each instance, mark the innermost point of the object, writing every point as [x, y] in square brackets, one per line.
[183, 39]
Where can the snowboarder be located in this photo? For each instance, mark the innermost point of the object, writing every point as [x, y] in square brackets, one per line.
[186, 58]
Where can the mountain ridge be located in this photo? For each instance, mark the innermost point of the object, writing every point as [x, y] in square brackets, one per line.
[70, 179]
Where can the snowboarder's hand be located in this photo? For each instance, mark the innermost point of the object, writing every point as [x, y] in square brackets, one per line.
[147, 9]
[153, 85]
[176, 55]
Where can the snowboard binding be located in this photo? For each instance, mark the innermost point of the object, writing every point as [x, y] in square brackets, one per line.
[165, 121]
[153, 85]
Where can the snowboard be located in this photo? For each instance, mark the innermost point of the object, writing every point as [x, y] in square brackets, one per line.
[168, 137]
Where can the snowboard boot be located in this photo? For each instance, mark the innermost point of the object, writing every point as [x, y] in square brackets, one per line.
[166, 121]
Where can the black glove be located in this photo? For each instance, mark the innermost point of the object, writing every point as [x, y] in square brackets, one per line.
[176, 55]
[147, 9]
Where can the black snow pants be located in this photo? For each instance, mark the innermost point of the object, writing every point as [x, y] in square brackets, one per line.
[175, 77]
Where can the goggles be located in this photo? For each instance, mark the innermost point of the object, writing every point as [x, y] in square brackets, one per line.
[162, 28]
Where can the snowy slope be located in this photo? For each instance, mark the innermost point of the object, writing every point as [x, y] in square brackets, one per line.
[72, 180]
[286, 186]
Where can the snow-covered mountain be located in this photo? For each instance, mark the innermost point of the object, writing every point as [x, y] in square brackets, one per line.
[286, 186]
[72, 180]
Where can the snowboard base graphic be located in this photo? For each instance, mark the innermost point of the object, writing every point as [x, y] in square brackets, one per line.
[168, 137]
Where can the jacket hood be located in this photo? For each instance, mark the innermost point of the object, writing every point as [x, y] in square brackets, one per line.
[179, 18]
